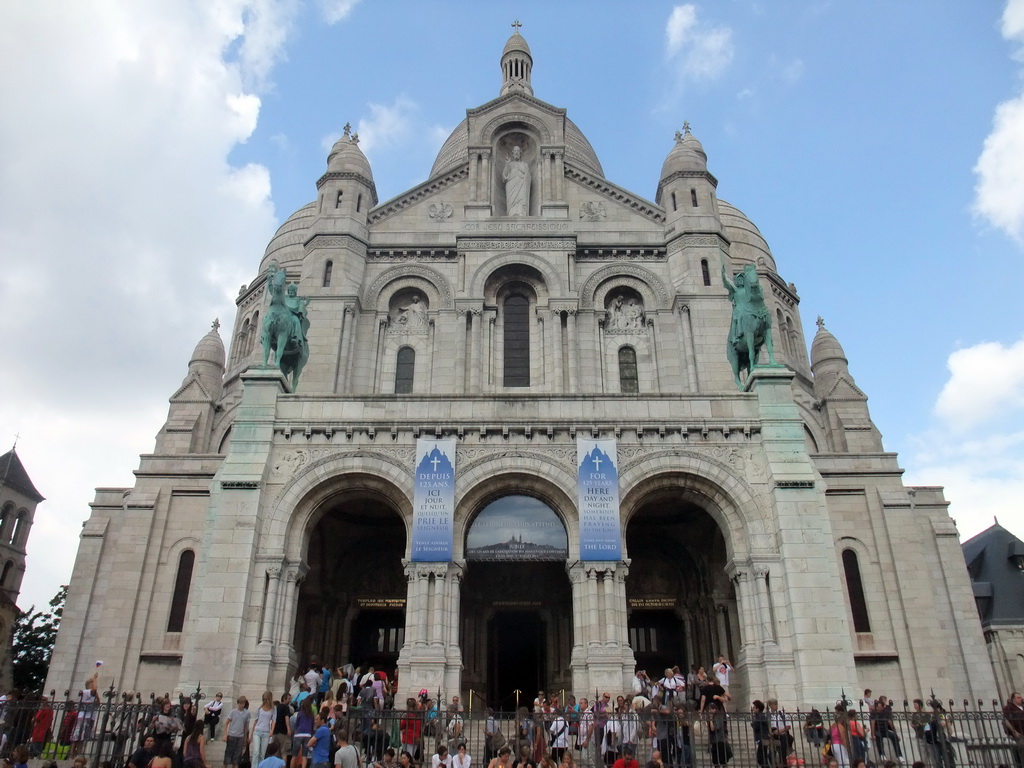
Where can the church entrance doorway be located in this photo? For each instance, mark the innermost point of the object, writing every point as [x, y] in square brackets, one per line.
[516, 603]
[681, 603]
[516, 656]
[352, 600]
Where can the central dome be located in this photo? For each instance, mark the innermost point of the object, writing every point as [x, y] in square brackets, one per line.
[454, 152]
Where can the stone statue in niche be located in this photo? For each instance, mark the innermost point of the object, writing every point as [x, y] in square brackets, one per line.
[410, 315]
[517, 184]
[625, 313]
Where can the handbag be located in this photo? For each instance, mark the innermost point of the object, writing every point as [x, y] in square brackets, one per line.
[245, 761]
[498, 740]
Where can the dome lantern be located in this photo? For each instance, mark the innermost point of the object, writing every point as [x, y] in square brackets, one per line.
[516, 64]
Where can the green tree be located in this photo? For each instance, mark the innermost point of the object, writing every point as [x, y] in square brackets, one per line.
[34, 635]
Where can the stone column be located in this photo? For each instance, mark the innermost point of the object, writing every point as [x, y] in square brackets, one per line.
[485, 177]
[600, 351]
[492, 324]
[460, 350]
[689, 358]
[577, 581]
[573, 350]
[269, 623]
[689, 652]
[610, 613]
[413, 625]
[555, 355]
[743, 597]
[559, 175]
[723, 636]
[454, 597]
[440, 606]
[764, 604]
[476, 339]
[652, 338]
[293, 581]
[595, 635]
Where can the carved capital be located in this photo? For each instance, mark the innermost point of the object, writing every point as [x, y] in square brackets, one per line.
[760, 571]
[274, 571]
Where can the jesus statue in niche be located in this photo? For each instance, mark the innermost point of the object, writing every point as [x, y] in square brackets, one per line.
[517, 184]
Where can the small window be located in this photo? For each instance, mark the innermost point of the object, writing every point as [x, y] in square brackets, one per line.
[693, 197]
[404, 370]
[705, 271]
[182, 584]
[629, 381]
[674, 208]
[517, 341]
[855, 588]
[337, 202]
[19, 526]
[7, 573]
[328, 269]
[359, 203]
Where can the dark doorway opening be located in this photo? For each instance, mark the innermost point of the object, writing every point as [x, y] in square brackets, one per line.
[377, 638]
[516, 658]
[656, 638]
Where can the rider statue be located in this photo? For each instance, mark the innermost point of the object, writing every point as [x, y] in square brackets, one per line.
[285, 325]
[751, 325]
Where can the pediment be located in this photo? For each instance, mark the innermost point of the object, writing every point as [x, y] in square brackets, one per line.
[609, 200]
[191, 391]
[843, 388]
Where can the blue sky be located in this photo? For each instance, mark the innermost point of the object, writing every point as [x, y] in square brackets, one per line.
[150, 149]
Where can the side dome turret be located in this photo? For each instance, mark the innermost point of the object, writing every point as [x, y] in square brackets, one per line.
[347, 189]
[687, 155]
[207, 363]
[826, 351]
[686, 190]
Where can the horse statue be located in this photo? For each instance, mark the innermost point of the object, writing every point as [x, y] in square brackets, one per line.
[284, 326]
[751, 326]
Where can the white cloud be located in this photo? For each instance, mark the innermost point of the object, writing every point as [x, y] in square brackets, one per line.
[335, 10]
[124, 226]
[701, 51]
[793, 71]
[387, 125]
[986, 381]
[977, 450]
[999, 191]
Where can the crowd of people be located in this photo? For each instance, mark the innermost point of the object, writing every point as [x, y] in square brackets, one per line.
[349, 718]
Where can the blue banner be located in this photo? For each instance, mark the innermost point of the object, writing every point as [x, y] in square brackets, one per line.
[433, 505]
[598, 488]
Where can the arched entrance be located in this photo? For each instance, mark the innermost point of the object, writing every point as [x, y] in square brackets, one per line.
[681, 604]
[352, 601]
[516, 603]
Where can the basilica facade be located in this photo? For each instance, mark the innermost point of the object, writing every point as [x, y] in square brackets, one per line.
[514, 305]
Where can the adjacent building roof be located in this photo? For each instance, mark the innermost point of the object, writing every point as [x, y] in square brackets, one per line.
[995, 561]
[13, 475]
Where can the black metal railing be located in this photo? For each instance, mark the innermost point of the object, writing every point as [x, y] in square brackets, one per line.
[939, 734]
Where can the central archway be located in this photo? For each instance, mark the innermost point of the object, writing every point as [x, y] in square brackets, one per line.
[516, 602]
[680, 601]
[352, 601]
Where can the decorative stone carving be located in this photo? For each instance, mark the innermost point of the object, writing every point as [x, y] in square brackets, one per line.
[408, 314]
[440, 211]
[625, 313]
[593, 210]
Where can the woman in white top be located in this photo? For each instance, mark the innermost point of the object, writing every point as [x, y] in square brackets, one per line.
[669, 684]
[462, 758]
[212, 716]
[262, 727]
[559, 729]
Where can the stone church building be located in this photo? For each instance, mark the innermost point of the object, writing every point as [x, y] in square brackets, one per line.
[514, 302]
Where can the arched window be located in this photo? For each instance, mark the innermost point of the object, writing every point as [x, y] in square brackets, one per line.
[705, 271]
[182, 583]
[674, 201]
[337, 202]
[517, 341]
[328, 269]
[359, 203]
[19, 526]
[254, 332]
[629, 380]
[404, 370]
[693, 197]
[6, 573]
[855, 588]
[5, 516]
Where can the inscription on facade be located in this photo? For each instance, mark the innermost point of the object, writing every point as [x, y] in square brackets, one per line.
[380, 602]
[517, 245]
[515, 226]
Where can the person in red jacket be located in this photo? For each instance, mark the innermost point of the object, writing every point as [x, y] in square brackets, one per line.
[41, 725]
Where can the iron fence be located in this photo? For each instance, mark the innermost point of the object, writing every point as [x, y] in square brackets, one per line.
[940, 735]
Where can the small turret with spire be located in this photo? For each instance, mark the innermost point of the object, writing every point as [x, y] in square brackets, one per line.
[516, 64]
